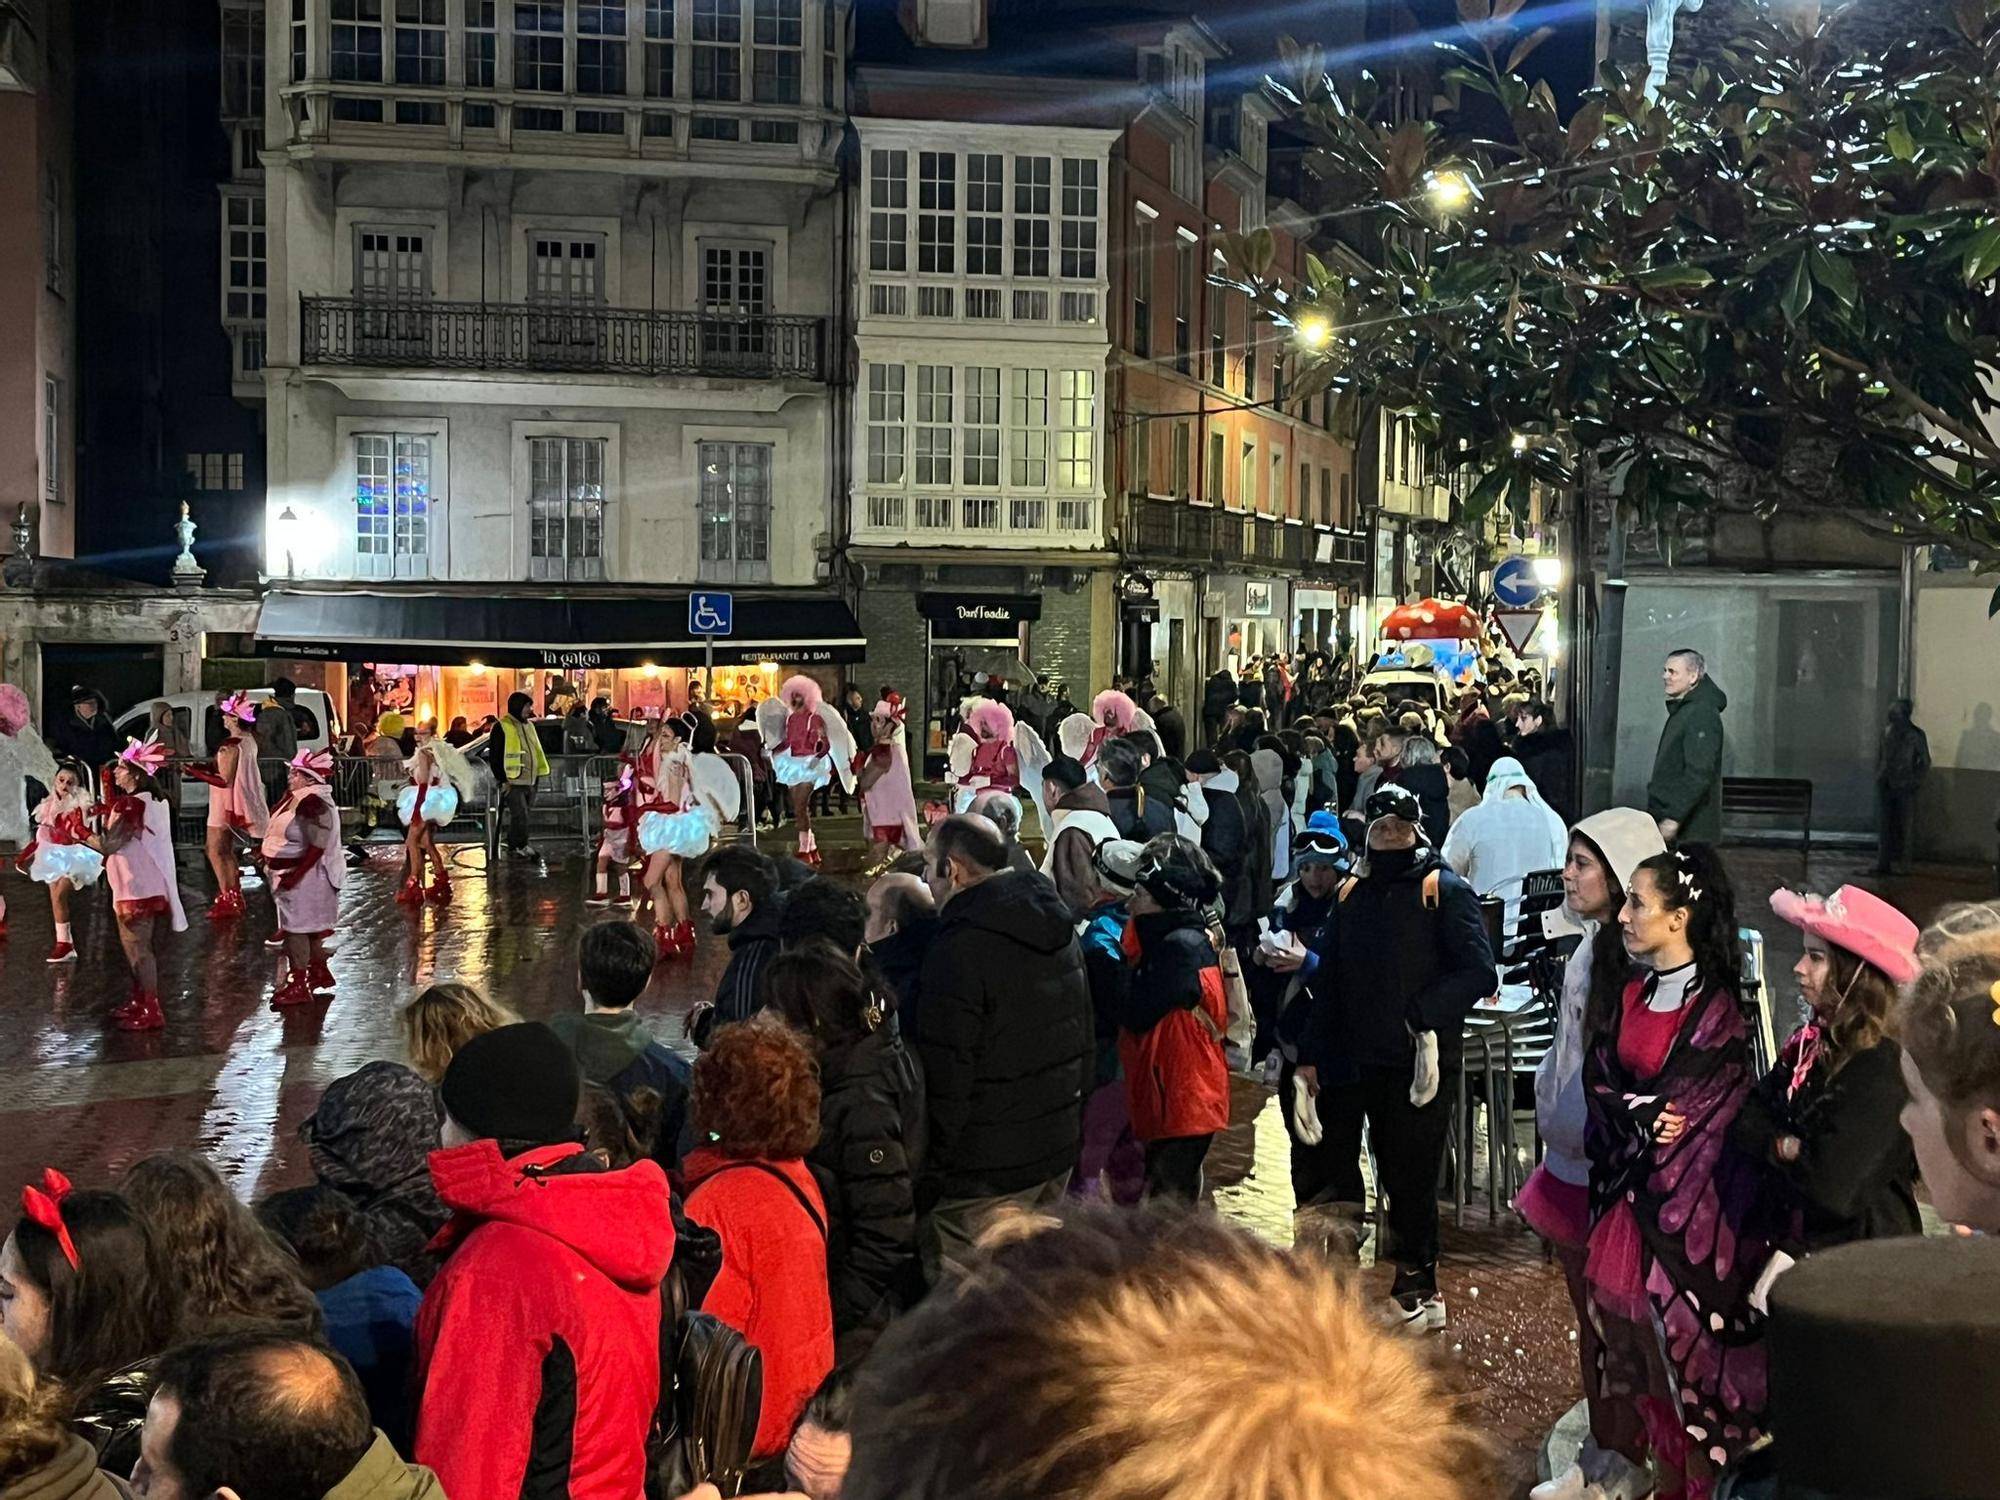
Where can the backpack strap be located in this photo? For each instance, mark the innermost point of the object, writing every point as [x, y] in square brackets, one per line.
[1432, 883]
[1346, 889]
[790, 1186]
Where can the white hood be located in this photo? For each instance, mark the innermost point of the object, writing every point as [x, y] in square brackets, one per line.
[1626, 837]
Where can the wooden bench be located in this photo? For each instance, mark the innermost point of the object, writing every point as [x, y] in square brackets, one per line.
[1786, 799]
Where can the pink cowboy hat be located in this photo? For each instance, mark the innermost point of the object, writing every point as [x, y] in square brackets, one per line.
[1858, 921]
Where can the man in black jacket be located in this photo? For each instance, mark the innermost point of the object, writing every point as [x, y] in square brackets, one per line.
[1544, 752]
[1224, 839]
[1218, 696]
[1007, 1040]
[1171, 726]
[86, 736]
[614, 963]
[1403, 953]
[740, 897]
[1137, 814]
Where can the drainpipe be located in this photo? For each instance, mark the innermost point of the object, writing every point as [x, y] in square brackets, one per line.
[1906, 625]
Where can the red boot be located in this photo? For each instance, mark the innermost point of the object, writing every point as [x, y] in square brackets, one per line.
[440, 892]
[62, 953]
[684, 940]
[296, 990]
[665, 942]
[319, 978]
[227, 906]
[411, 894]
[143, 1014]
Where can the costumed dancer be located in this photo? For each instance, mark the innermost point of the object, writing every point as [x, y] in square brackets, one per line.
[699, 794]
[441, 777]
[60, 856]
[882, 776]
[137, 843]
[236, 805]
[621, 811]
[23, 756]
[809, 746]
[1112, 713]
[302, 852]
[982, 756]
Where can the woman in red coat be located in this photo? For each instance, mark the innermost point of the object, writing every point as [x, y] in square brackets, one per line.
[1173, 1016]
[756, 1111]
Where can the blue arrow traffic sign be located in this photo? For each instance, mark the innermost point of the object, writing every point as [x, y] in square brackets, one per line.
[711, 614]
[1514, 583]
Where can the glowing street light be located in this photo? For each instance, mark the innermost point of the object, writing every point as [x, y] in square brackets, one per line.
[1313, 330]
[1449, 191]
[1548, 572]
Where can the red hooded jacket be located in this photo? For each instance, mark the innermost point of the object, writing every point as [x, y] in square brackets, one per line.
[538, 1345]
[772, 1285]
[1170, 1032]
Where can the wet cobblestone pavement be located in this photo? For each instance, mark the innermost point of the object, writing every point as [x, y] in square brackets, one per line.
[233, 1079]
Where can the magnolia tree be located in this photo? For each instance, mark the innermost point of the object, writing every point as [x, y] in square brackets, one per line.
[1772, 288]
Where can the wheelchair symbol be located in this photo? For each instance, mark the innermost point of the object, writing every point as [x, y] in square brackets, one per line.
[707, 621]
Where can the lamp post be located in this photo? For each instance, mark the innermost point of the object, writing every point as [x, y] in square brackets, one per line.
[288, 530]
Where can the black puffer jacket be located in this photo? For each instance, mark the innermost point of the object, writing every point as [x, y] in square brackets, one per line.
[753, 942]
[1433, 794]
[871, 1148]
[1138, 812]
[371, 1137]
[1545, 755]
[1006, 1040]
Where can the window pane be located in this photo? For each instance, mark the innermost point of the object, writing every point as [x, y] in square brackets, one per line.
[600, 47]
[538, 45]
[1031, 215]
[937, 198]
[718, 57]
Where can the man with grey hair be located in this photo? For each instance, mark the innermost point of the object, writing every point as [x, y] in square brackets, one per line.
[1684, 794]
[1120, 765]
[1003, 810]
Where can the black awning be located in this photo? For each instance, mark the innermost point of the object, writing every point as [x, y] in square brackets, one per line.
[545, 630]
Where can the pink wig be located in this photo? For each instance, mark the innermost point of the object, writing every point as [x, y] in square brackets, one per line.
[1114, 710]
[991, 720]
[804, 686]
[13, 709]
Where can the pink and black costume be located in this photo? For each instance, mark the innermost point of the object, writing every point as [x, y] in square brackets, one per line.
[302, 853]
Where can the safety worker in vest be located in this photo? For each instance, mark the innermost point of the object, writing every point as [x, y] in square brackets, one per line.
[514, 752]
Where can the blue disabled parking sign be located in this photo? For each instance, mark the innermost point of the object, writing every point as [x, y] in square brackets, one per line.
[711, 614]
[1514, 583]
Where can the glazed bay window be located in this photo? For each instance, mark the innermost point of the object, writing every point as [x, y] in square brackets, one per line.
[735, 505]
[242, 60]
[885, 424]
[392, 504]
[481, 35]
[934, 392]
[538, 46]
[937, 198]
[659, 49]
[718, 49]
[777, 51]
[1032, 204]
[984, 202]
[888, 217]
[600, 47]
[566, 508]
[420, 27]
[243, 262]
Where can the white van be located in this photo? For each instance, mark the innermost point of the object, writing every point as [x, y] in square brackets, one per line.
[201, 722]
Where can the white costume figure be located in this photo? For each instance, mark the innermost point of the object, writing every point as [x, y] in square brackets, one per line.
[138, 847]
[302, 852]
[615, 846]
[1111, 713]
[882, 776]
[440, 777]
[22, 756]
[981, 756]
[685, 798]
[236, 806]
[61, 857]
[809, 746]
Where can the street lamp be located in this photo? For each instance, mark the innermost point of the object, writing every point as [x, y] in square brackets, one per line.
[288, 538]
[1548, 572]
[1313, 330]
[1449, 190]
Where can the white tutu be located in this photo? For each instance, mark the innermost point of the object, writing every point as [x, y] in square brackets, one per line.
[440, 804]
[792, 770]
[689, 834]
[79, 864]
[961, 797]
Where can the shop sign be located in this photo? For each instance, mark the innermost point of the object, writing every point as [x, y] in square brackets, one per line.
[1257, 598]
[478, 695]
[977, 616]
[573, 659]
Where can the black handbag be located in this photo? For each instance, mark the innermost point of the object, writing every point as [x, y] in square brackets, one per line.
[711, 1379]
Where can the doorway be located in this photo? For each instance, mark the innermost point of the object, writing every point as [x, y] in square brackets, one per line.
[124, 674]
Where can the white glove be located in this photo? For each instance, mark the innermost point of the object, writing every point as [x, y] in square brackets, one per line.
[1424, 1081]
[1306, 1129]
[1760, 1294]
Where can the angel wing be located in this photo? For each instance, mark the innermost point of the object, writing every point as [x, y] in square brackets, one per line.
[840, 743]
[1143, 720]
[36, 759]
[1190, 818]
[771, 716]
[457, 767]
[1074, 733]
[716, 783]
[1032, 757]
[959, 756]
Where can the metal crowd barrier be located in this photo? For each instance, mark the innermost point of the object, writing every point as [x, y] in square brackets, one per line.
[569, 803]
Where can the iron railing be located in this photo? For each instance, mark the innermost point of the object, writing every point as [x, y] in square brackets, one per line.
[1199, 533]
[558, 337]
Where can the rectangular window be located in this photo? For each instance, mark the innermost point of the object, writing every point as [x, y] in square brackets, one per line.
[1075, 512]
[1274, 502]
[1030, 305]
[933, 512]
[1250, 351]
[735, 299]
[829, 59]
[885, 424]
[1246, 476]
[937, 204]
[420, 43]
[982, 425]
[1031, 216]
[242, 60]
[566, 508]
[538, 46]
[566, 268]
[249, 351]
[1218, 450]
[481, 32]
[1218, 338]
[982, 302]
[233, 475]
[934, 301]
[1079, 218]
[1027, 513]
[1305, 495]
[1347, 502]
[718, 49]
[243, 257]
[1028, 428]
[389, 264]
[1142, 285]
[298, 41]
[1325, 496]
[659, 49]
[888, 219]
[52, 235]
[600, 47]
[775, 132]
[887, 512]
[392, 504]
[1184, 253]
[1076, 429]
[1138, 458]
[51, 438]
[979, 513]
[736, 512]
[984, 204]
[1183, 439]
[357, 41]
[888, 301]
[934, 392]
[777, 50]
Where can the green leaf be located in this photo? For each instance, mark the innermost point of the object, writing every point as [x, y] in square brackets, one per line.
[1902, 145]
[1837, 276]
[1485, 494]
[1982, 255]
[1526, 45]
[1797, 296]
[1993, 605]
[1674, 278]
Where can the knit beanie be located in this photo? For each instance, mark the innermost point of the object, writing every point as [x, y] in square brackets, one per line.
[519, 1083]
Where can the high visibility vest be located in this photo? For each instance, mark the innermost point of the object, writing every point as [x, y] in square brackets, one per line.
[516, 740]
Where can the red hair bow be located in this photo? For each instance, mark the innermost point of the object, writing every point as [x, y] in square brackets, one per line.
[44, 1205]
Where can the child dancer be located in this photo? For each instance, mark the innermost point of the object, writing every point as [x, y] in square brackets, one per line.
[621, 795]
[302, 852]
[888, 801]
[60, 856]
[138, 848]
[809, 744]
[675, 823]
[439, 776]
[236, 803]
[22, 755]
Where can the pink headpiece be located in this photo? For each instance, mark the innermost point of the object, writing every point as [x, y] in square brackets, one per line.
[317, 764]
[1114, 710]
[803, 685]
[991, 720]
[150, 757]
[238, 706]
[892, 709]
[13, 709]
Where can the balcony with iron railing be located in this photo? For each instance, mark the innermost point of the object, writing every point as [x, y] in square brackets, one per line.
[558, 339]
[1176, 530]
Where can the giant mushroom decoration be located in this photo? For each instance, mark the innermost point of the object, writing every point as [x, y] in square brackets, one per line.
[1430, 620]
